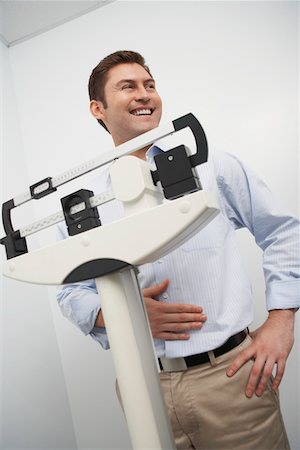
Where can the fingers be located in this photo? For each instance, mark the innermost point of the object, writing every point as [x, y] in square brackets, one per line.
[259, 377]
[157, 289]
[169, 325]
[261, 372]
[181, 309]
[171, 321]
[168, 316]
[178, 327]
[175, 331]
[240, 360]
[168, 336]
[279, 374]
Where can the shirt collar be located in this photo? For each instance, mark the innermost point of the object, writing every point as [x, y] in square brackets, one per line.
[152, 152]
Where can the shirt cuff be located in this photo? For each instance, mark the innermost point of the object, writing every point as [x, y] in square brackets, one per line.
[100, 336]
[283, 294]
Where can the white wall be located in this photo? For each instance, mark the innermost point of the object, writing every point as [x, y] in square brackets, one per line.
[235, 66]
[34, 402]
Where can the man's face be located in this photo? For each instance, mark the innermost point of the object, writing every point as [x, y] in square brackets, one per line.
[132, 104]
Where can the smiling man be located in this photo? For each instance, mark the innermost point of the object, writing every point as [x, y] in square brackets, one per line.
[217, 379]
[130, 104]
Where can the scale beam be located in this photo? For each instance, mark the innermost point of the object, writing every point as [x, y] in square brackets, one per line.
[15, 242]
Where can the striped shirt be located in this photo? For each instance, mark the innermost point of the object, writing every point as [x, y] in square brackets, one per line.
[208, 270]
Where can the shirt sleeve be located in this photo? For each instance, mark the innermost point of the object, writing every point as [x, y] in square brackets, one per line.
[248, 202]
[80, 303]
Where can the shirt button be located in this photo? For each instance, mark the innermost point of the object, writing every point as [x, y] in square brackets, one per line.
[160, 261]
[165, 295]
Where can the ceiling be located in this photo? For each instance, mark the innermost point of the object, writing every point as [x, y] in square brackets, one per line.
[23, 19]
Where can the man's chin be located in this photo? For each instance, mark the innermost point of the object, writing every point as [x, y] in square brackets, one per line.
[144, 127]
[140, 129]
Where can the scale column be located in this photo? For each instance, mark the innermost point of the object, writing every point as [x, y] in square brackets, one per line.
[135, 362]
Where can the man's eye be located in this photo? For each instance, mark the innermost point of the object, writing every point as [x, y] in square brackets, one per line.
[127, 86]
[150, 86]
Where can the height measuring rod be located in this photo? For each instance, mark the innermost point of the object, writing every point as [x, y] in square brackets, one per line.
[111, 254]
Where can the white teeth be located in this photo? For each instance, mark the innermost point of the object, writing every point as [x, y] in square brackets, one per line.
[140, 112]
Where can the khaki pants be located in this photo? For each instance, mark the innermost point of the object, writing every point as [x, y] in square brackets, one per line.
[208, 410]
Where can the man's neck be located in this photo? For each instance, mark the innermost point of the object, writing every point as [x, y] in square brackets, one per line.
[141, 153]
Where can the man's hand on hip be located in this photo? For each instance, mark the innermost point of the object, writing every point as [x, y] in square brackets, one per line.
[272, 343]
[171, 321]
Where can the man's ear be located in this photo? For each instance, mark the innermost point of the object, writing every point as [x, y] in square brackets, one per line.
[97, 109]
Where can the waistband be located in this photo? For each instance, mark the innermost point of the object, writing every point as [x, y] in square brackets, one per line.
[178, 364]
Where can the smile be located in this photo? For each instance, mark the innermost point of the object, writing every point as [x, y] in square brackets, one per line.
[142, 112]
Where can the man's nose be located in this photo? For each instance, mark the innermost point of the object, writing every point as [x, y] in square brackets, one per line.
[142, 94]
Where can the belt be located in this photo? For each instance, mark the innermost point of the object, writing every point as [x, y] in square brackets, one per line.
[176, 364]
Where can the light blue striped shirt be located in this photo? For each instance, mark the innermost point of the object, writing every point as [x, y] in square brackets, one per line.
[208, 270]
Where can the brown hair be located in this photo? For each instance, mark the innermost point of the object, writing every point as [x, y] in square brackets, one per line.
[99, 74]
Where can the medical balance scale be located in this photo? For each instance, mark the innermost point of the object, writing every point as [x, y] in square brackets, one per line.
[111, 254]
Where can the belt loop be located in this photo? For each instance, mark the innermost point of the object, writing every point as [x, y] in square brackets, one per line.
[212, 358]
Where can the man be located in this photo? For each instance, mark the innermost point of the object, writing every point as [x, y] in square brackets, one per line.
[226, 396]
